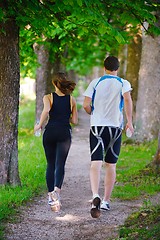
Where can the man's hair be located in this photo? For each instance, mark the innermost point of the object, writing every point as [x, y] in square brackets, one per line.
[111, 63]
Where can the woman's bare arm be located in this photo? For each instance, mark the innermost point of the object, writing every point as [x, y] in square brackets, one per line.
[44, 114]
[74, 114]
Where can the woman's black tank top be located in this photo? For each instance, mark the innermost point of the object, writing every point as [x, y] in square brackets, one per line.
[59, 114]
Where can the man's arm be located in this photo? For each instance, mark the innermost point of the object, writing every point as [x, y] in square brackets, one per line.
[128, 110]
[87, 104]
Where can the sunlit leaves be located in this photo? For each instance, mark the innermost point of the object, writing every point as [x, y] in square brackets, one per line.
[79, 3]
[119, 37]
[80, 25]
[68, 2]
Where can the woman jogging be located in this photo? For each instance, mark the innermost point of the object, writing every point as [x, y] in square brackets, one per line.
[61, 108]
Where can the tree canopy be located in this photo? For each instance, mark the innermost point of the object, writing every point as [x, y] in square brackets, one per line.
[81, 26]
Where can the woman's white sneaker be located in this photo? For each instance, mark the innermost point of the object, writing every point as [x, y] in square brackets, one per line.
[54, 201]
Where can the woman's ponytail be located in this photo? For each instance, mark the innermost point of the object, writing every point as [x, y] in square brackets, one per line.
[64, 85]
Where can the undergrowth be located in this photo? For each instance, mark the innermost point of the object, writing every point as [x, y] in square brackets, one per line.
[142, 225]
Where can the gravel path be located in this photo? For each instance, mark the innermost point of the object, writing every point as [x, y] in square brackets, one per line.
[36, 221]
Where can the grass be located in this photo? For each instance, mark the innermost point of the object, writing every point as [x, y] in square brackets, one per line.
[134, 180]
[143, 225]
[31, 166]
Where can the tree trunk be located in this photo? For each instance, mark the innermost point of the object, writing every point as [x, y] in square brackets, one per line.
[44, 75]
[122, 56]
[72, 76]
[41, 77]
[148, 102]
[133, 65]
[9, 97]
[53, 68]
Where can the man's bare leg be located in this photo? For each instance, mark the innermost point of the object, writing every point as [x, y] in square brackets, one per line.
[109, 180]
[95, 171]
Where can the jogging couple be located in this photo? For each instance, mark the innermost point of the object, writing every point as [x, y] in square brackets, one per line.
[103, 101]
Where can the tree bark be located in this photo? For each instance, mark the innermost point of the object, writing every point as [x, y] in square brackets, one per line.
[44, 75]
[133, 66]
[41, 77]
[9, 102]
[148, 102]
[53, 68]
[72, 76]
[122, 56]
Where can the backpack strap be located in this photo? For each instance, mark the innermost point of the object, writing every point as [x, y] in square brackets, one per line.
[100, 80]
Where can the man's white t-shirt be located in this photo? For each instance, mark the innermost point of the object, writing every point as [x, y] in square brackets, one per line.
[107, 101]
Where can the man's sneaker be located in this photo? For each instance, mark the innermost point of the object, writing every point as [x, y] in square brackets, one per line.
[95, 210]
[55, 201]
[105, 206]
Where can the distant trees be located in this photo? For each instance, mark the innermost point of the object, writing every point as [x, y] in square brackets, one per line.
[86, 29]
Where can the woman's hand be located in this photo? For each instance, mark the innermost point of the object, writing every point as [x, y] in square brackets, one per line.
[37, 127]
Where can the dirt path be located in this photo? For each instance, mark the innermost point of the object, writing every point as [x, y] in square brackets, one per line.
[36, 221]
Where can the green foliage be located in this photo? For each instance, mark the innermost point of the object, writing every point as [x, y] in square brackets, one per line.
[28, 58]
[83, 28]
[1, 14]
[98, 16]
[75, 93]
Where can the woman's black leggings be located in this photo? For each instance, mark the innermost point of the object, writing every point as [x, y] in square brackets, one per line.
[56, 142]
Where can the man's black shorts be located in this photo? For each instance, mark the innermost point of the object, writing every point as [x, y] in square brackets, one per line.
[105, 143]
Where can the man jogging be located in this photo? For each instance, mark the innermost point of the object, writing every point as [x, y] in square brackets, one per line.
[104, 101]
